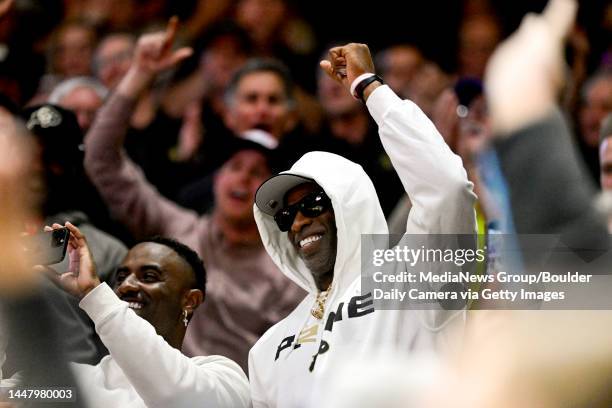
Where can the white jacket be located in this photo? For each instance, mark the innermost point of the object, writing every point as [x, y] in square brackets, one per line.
[143, 370]
[299, 351]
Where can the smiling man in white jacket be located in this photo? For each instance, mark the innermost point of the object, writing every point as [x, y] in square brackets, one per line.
[311, 219]
[142, 322]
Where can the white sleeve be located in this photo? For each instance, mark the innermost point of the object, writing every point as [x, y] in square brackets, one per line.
[432, 175]
[161, 374]
[258, 397]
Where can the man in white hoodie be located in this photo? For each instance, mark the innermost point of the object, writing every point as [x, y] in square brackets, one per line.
[311, 219]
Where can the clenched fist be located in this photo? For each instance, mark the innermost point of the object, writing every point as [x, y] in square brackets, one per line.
[348, 62]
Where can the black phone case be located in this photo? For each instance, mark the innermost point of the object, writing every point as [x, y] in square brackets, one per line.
[47, 248]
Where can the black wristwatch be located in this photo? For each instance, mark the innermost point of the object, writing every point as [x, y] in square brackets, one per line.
[363, 85]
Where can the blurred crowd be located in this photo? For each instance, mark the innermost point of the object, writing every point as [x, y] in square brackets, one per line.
[125, 150]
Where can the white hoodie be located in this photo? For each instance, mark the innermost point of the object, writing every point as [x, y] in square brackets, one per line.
[299, 351]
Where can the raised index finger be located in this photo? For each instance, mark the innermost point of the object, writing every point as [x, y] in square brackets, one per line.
[560, 15]
[170, 34]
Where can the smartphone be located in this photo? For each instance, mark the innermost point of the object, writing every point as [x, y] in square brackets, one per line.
[47, 248]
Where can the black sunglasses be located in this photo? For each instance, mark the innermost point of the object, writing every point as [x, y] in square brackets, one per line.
[313, 205]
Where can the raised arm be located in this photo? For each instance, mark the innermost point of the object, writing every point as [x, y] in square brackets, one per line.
[432, 175]
[130, 197]
[549, 190]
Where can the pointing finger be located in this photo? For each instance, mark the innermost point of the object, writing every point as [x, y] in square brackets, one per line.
[560, 15]
[170, 34]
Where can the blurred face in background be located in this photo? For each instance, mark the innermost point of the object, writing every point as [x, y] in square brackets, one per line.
[478, 38]
[19, 199]
[113, 58]
[21, 168]
[605, 160]
[220, 60]
[399, 66]
[74, 47]
[260, 102]
[597, 103]
[345, 115]
[84, 102]
[236, 183]
[428, 84]
[260, 18]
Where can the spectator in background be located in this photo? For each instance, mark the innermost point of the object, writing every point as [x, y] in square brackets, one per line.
[20, 65]
[247, 292]
[153, 133]
[605, 153]
[548, 188]
[27, 321]
[399, 65]
[478, 36]
[412, 76]
[70, 53]
[198, 97]
[428, 84]
[277, 32]
[260, 97]
[223, 49]
[604, 200]
[112, 14]
[461, 115]
[596, 103]
[112, 58]
[83, 96]
[56, 173]
[60, 140]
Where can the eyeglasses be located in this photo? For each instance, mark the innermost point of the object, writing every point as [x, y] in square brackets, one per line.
[313, 205]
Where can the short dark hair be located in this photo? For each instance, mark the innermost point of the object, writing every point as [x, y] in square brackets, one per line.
[254, 65]
[188, 255]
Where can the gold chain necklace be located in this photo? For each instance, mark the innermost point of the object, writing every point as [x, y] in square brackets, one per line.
[319, 307]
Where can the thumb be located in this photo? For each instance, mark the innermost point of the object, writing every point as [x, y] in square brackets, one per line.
[560, 16]
[180, 54]
[327, 67]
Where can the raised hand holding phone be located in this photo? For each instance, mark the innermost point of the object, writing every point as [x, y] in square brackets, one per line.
[47, 248]
[81, 276]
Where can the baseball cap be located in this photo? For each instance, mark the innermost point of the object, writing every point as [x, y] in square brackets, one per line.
[254, 139]
[271, 194]
[58, 132]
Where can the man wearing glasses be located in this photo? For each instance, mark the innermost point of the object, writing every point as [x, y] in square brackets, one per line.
[311, 219]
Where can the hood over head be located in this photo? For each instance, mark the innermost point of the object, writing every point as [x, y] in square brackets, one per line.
[356, 209]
